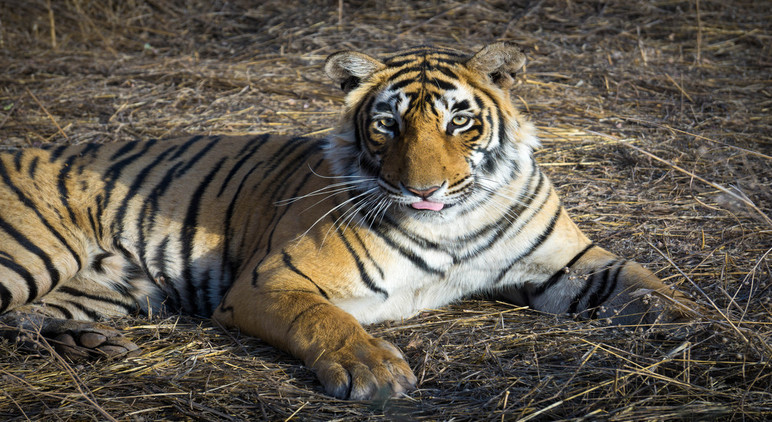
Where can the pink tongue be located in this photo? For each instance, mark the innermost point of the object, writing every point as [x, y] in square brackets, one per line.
[427, 205]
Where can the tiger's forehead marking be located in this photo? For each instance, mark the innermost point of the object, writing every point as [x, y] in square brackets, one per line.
[400, 103]
[424, 80]
[425, 54]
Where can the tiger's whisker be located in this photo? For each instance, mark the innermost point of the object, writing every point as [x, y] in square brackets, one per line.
[336, 187]
[344, 203]
[337, 177]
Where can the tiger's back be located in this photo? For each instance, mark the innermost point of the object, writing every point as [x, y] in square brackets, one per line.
[165, 224]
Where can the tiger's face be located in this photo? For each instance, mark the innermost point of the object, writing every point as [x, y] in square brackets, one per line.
[429, 132]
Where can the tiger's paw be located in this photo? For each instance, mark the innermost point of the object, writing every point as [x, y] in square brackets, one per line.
[365, 370]
[69, 338]
[78, 339]
[649, 307]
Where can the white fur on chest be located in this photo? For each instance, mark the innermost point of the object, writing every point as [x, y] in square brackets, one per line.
[410, 290]
[469, 256]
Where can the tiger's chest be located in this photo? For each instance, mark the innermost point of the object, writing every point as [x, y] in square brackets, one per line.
[427, 279]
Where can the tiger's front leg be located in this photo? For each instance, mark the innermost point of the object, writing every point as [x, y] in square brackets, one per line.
[599, 284]
[288, 309]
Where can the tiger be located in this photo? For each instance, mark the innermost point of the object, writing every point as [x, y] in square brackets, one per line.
[426, 192]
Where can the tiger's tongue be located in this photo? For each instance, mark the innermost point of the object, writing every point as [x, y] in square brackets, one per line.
[427, 205]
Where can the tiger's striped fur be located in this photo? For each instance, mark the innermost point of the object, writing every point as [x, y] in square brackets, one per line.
[427, 192]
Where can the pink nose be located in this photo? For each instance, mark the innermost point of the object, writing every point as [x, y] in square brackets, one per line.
[423, 193]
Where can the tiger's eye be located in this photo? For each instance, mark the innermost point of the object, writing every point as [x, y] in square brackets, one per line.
[460, 120]
[387, 123]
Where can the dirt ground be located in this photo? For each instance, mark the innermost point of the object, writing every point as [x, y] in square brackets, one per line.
[656, 122]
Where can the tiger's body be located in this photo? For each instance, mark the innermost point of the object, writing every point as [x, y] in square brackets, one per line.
[427, 193]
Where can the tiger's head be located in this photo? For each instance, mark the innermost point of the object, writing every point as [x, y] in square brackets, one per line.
[429, 132]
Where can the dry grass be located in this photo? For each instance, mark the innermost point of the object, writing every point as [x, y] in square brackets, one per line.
[657, 130]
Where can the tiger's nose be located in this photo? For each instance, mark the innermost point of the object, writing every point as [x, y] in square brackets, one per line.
[423, 193]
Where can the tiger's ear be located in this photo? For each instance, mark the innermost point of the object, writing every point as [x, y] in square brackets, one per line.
[348, 68]
[500, 61]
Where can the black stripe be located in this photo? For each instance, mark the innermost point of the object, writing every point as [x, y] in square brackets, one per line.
[461, 105]
[556, 277]
[362, 115]
[5, 298]
[447, 71]
[503, 138]
[17, 156]
[397, 61]
[122, 249]
[401, 72]
[159, 258]
[302, 313]
[410, 255]
[282, 185]
[138, 180]
[599, 277]
[98, 220]
[96, 261]
[162, 279]
[127, 307]
[609, 284]
[288, 262]
[92, 222]
[125, 149]
[33, 248]
[534, 245]
[57, 152]
[189, 163]
[189, 230]
[90, 313]
[285, 183]
[22, 272]
[64, 193]
[401, 84]
[254, 145]
[421, 241]
[278, 157]
[229, 265]
[512, 216]
[441, 84]
[31, 205]
[114, 171]
[384, 106]
[33, 167]
[290, 169]
[424, 53]
[208, 300]
[363, 274]
[150, 205]
[185, 146]
[448, 58]
[149, 208]
[64, 311]
[545, 234]
[91, 149]
[370, 258]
